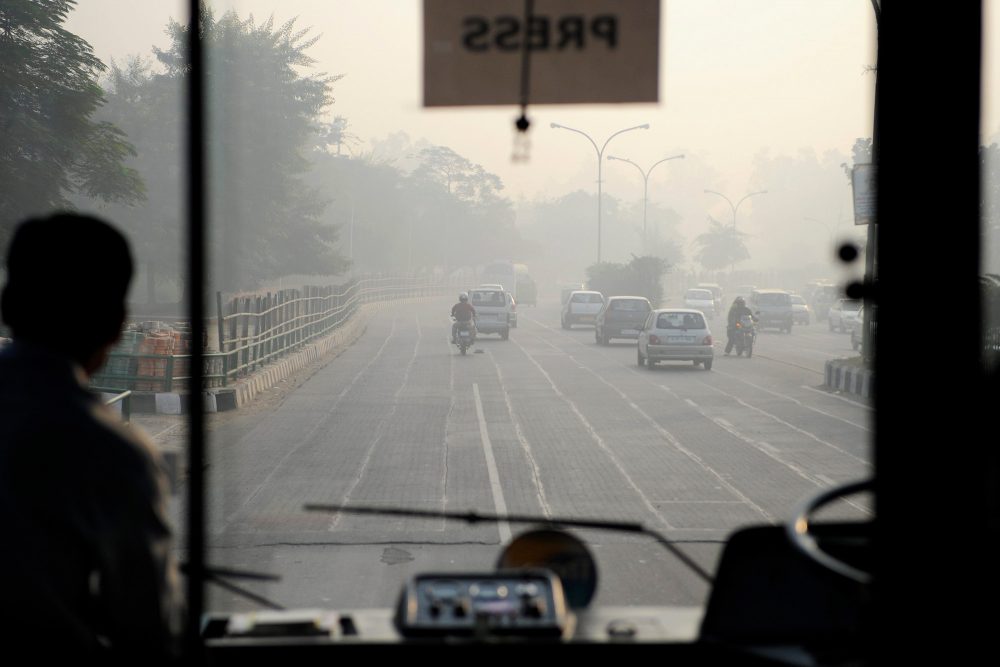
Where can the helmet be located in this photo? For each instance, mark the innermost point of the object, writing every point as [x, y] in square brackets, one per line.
[738, 301]
[463, 297]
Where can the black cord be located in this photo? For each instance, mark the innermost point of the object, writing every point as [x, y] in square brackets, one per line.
[522, 124]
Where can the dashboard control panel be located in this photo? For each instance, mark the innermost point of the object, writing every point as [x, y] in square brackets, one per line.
[522, 603]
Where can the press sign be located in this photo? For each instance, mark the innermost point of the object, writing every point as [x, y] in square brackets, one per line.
[580, 51]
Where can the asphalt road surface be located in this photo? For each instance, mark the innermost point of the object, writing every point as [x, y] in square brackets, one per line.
[548, 423]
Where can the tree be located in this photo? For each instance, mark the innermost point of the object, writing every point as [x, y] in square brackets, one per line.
[50, 144]
[642, 276]
[264, 120]
[458, 208]
[720, 246]
[861, 153]
[446, 213]
[147, 107]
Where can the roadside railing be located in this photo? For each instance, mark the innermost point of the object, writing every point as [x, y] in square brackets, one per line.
[250, 330]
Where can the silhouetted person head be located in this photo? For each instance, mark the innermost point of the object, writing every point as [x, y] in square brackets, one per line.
[67, 278]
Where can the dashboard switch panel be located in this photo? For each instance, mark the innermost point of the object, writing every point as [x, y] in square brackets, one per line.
[512, 603]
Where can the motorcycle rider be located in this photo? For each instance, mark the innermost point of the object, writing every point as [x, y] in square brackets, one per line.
[736, 311]
[463, 311]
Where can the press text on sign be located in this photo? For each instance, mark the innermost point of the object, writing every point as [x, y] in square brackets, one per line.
[580, 51]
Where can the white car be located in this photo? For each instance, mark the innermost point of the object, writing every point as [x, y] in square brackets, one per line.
[843, 314]
[674, 334]
[701, 299]
[581, 307]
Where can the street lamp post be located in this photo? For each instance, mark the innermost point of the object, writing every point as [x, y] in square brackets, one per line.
[745, 197]
[645, 184]
[600, 156]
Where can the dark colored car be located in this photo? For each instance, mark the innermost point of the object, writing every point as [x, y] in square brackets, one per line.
[773, 309]
[621, 317]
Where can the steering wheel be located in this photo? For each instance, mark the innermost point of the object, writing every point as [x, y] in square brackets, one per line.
[805, 542]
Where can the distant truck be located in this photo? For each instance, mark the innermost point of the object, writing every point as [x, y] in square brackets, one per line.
[515, 279]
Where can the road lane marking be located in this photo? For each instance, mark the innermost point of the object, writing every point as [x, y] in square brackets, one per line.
[491, 467]
[773, 452]
[672, 439]
[737, 399]
[795, 428]
[666, 435]
[313, 430]
[766, 448]
[447, 421]
[525, 445]
[794, 400]
[379, 431]
[707, 416]
[843, 398]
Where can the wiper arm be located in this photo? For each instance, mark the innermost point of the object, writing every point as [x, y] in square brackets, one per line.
[213, 575]
[476, 517]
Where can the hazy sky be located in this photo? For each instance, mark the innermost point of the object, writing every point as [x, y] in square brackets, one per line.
[737, 78]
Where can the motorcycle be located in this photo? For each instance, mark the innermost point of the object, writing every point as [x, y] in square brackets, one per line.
[465, 335]
[744, 336]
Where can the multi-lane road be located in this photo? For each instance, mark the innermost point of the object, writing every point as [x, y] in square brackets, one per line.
[548, 423]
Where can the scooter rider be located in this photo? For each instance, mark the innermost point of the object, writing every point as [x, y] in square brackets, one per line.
[736, 311]
[463, 311]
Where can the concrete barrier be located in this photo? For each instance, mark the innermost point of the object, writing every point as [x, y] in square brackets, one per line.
[849, 378]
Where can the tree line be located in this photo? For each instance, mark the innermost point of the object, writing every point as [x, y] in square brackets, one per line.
[282, 195]
[285, 195]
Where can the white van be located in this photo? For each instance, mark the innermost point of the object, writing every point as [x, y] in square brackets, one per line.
[493, 311]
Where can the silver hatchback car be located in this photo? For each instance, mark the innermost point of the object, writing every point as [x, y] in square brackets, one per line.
[675, 334]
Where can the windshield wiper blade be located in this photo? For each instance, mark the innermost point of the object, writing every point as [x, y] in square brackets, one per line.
[477, 517]
[213, 575]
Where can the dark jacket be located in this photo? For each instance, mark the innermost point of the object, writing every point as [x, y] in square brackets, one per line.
[736, 312]
[86, 558]
[463, 311]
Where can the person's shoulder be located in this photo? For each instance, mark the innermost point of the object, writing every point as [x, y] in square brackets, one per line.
[125, 446]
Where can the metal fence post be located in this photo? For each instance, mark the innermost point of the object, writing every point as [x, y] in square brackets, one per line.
[170, 373]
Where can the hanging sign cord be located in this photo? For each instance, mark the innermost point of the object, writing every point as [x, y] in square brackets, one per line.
[523, 123]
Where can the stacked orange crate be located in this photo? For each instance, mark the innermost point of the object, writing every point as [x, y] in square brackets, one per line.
[160, 343]
[182, 367]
